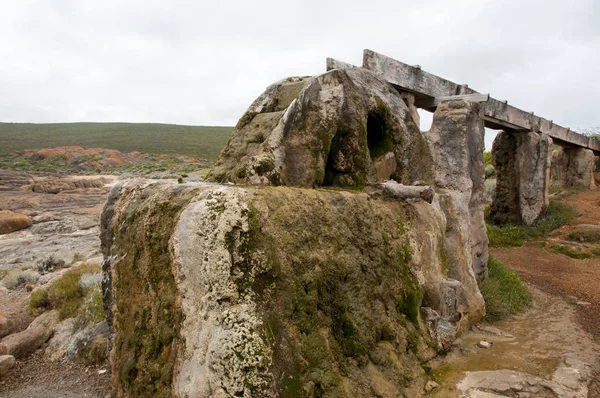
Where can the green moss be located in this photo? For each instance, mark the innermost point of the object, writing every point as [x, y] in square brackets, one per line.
[591, 236]
[264, 165]
[245, 120]
[147, 315]
[241, 172]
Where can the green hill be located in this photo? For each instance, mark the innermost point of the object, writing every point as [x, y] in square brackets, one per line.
[198, 141]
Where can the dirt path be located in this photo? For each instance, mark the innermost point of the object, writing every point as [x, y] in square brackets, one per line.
[552, 349]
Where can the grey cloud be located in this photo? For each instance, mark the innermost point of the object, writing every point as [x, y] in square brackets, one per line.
[203, 62]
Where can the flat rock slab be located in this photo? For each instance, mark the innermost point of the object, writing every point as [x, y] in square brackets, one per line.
[568, 381]
[24, 343]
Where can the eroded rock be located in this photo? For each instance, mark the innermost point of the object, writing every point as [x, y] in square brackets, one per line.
[522, 161]
[24, 343]
[343, 128]
[573, 167]
[11, 222]
[274, 290]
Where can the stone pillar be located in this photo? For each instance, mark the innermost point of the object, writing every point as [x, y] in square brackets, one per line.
[456, 140]
[573, 168]
[522, 162]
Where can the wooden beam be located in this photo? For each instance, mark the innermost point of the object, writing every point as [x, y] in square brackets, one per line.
[434, 102]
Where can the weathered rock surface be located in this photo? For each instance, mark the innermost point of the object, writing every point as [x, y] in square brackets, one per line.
[564, 383]
[11, 222]
[24, 343]
[263, 291]
[522, 161]
[343, 128]
[7, 362]
[6, 325]
[456, 139]
[573, 167]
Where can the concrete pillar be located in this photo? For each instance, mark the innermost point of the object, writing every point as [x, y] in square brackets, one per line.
[573, 168]
[456, 141]
[522, 162]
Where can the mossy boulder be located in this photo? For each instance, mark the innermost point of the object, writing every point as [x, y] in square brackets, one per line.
[343, 128]
[225, 291]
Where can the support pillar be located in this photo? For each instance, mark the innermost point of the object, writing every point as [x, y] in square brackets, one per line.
[456, 140]
[573, 168]
[522, 161]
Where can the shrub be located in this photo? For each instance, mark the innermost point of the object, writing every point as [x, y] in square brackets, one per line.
[49, 263]
[77, 257]
[18, 277]
[504, 293]
[487, 158]
[489, 189]
[490, 171]
[516, 235]
[77, 292]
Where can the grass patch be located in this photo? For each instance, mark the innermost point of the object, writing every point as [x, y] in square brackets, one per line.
[76, 293]
[17, 277]
[504, 293]
[516, 235]
[579, 253]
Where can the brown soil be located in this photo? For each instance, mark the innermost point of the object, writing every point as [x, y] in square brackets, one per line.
[575, 280]
[36, 377]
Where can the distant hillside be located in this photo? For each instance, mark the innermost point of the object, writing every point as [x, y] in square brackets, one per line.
[198, 141]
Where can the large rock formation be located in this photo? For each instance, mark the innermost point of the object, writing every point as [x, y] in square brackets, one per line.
[522, 162]
[344, 128]
[573, 167]
[227, 291]
[456, 140]
[223, 290]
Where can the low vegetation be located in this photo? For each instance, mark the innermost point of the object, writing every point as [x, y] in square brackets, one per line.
[19, 277]
[49, 263]
[576, 252]
[76, 293]
[516, 235]
[198, 141]
[504, 293]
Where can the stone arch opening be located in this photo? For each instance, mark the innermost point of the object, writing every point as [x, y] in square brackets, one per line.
[330, 170]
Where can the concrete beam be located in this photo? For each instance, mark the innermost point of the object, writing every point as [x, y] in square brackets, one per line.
[497, 114]
[427, 103]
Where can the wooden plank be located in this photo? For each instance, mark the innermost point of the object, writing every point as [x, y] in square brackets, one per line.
[434, 102]
[497, 114]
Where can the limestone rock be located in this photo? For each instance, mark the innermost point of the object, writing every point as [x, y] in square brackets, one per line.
[24, 343]
[573, 167]
[522, 161]
[6, 325]
[11, 222]
[343, 128]
[7, 362]
[270, 291]
[456, 141]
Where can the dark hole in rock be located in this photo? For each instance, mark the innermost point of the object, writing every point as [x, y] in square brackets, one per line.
[377, 139]
[330, 171]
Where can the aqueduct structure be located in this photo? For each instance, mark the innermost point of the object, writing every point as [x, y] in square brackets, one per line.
[522, 151]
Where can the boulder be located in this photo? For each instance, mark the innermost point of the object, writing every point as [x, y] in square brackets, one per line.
[522, 162]
[11, 222]
[24, 343]
[6, 325]
[7, 362]
[573, 167]
[220, 290]
[342, 128]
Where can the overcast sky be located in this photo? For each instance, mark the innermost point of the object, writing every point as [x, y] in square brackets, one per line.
[202, 63]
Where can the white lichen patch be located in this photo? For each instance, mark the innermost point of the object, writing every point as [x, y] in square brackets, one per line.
[224, 350]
